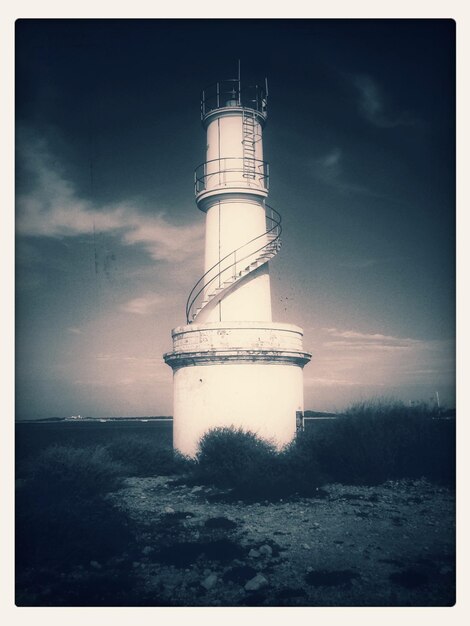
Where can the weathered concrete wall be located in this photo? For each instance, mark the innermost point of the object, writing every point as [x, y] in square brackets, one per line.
[230, 226]
[261, 397]
[237, 334]
[246, 375]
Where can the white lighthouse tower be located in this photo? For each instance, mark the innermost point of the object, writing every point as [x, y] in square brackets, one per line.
[232, 364]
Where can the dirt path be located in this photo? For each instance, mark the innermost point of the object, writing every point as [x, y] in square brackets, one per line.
[391, 545]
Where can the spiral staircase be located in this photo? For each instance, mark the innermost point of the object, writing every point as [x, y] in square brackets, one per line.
[235, 266]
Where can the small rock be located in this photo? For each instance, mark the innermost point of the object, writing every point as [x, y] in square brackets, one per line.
[266, 550]
[257, 582]
[210, 581]
[147, 550]
[169, 509]
[254, 554]
[306, 546]
[95, 565]
[309, 569]
[196, 489]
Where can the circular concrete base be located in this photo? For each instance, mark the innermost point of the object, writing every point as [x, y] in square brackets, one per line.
[238, 374]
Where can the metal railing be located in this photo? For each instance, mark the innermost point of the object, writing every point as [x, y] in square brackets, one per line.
[234, 261]
[230, 93]
[231, 171]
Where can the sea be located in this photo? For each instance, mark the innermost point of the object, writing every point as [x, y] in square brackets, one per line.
[32, 437]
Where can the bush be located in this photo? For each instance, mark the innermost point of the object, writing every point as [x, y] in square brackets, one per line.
[372, 442]
[228, 457]
[146, 457]
[252, 467]
[62, 513]
[382, 440]
[66, 472]
[300, 470]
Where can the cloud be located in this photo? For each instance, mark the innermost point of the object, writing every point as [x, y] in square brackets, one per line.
[145, 305]
[375, 341]
[52, 208]
[346, 357]
[329, 382]
[74, 330]
[372, 105]
[328, 169]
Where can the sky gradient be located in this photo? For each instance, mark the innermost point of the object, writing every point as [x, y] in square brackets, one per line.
[361, 143]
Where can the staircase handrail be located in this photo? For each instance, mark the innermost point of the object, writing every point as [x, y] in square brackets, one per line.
[277, 225]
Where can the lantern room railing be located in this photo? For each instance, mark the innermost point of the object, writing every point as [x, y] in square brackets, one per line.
[231, 93]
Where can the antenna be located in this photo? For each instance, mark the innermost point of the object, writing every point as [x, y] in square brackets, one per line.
[266, 86]
[239, 83]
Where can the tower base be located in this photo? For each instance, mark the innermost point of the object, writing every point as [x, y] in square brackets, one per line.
[242, 374]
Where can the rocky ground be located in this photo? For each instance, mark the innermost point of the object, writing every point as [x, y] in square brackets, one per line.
[388, 545]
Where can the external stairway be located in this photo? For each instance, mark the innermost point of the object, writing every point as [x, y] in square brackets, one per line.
[241, 262]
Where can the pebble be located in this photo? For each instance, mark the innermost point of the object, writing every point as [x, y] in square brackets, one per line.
[147, 550]
[169, 509]
[306, 546]
[254, 554]
[266, 550]
[257, 582]
[210, 581]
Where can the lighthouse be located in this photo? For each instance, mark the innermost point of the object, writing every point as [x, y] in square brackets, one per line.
[232, 365]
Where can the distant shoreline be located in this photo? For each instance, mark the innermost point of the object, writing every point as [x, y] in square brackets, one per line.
[71, 420]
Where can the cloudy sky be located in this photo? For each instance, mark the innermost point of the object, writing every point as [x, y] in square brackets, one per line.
[360, 140]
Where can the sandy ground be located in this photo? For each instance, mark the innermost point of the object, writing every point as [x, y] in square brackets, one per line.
[387, 545]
